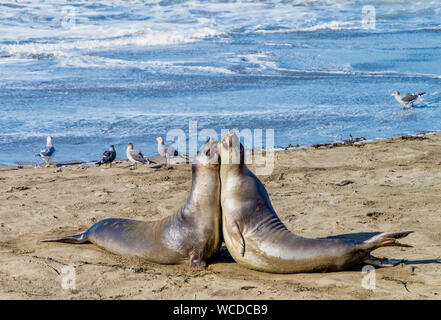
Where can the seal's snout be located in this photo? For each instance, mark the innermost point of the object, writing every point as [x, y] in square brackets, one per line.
[226, 142]
[214, 151]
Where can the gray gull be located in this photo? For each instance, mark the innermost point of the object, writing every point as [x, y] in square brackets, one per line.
[167, 151]
[46, 153]
[135, 156]
[407, 98]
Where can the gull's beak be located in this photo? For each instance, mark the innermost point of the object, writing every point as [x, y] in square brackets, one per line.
[391, 94]
[156, 139]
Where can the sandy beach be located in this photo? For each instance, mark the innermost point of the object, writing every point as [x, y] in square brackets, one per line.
[384, 185]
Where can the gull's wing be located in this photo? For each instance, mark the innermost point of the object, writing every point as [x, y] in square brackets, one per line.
[407, 97]
[137, 156]
[171, 151]
[108, 156]
[47, 151]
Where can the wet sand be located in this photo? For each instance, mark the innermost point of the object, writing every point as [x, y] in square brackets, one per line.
[384, 185]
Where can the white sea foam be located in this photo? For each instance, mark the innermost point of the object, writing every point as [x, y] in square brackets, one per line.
[37, 27]
[87, 61]
[147, 38]
[105, 74]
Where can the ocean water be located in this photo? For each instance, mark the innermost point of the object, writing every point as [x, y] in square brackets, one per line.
[95, 73]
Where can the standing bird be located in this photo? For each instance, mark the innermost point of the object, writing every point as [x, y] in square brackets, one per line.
[135, 156]
[407, 98]
[46, 153]
[167, 151]
[108, 157]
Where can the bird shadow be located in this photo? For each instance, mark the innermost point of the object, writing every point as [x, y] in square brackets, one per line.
[425, 107]
[158, 166]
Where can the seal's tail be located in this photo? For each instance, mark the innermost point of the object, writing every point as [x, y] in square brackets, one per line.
[385, 239]
[75, 238]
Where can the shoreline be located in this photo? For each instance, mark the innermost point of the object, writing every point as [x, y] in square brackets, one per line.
[357, 141]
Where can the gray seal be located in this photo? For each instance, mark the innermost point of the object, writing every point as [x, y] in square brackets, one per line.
[193, 233]
[257, 239]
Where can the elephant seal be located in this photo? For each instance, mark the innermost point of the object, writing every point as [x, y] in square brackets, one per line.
[194, 232]
[258, 240]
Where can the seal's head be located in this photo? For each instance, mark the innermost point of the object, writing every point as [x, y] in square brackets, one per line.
[231, 151]
[208, 155]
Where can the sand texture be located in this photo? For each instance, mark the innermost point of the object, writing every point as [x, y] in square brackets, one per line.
[385, 185]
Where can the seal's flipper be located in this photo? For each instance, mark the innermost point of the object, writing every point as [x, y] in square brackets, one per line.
[383, 262]
[385, 239]
[196, 259]
[75, 238]
[238, 239]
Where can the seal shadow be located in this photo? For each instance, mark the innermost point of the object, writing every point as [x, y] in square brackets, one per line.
[221, 256]
[360, 236]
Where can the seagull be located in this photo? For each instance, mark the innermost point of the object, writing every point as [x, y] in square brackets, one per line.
[407, 98]
[135, 156]
[108, 157]
[46, 153]
[167, 151]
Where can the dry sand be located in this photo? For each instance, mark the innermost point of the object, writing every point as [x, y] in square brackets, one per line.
[387, 185]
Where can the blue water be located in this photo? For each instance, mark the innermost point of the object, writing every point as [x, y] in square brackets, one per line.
[94, 73]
